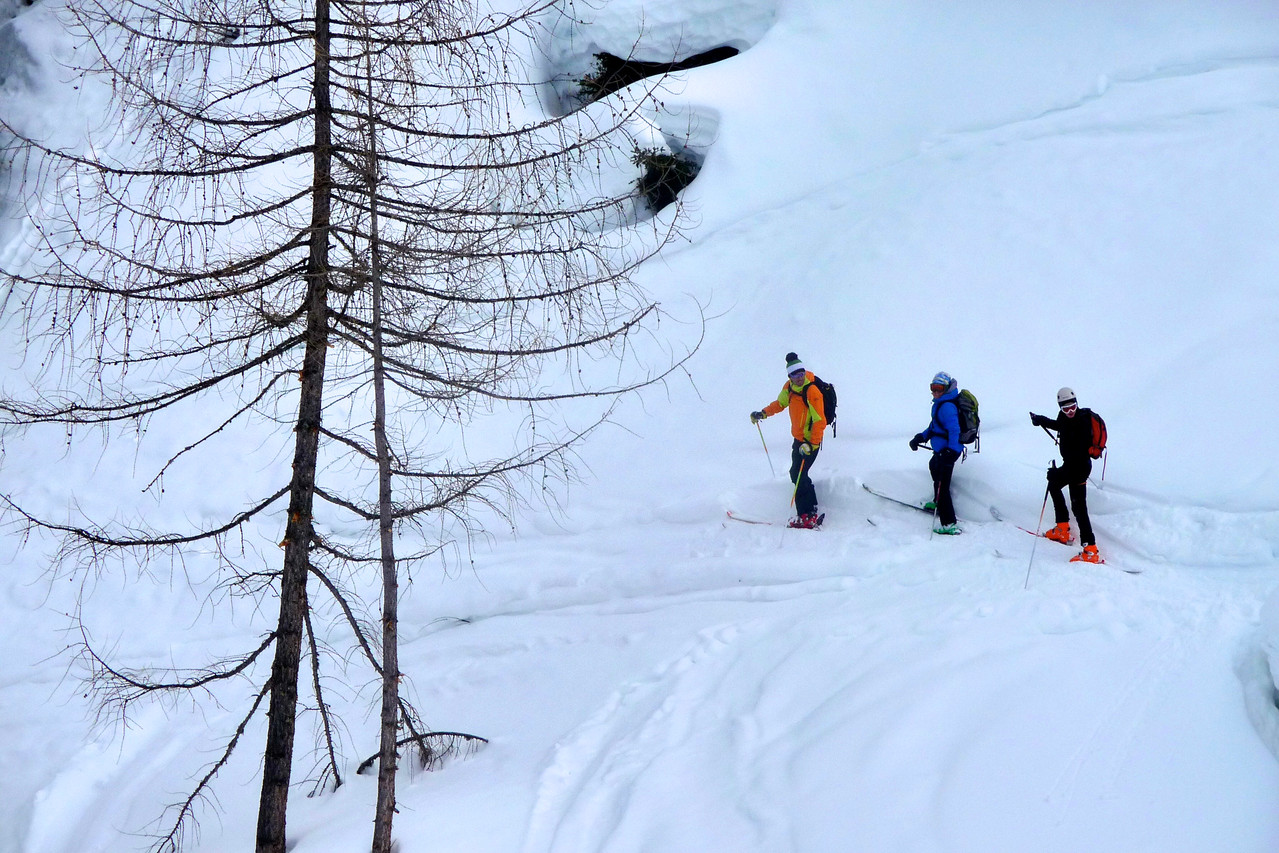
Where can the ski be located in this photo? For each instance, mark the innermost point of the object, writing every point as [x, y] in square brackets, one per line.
[896, 500]
[735, 517]
[995, 513]
[1042, 536]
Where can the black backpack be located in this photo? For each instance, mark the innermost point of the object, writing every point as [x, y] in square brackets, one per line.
[829, 399]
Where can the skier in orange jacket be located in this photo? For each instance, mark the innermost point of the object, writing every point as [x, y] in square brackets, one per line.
[801, 396]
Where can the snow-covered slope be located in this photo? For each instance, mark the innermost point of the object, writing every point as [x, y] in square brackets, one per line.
[1027, 195]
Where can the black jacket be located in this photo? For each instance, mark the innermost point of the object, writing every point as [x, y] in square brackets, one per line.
[1074, 435]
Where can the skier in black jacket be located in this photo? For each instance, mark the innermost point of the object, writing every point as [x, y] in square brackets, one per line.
[1074, 429]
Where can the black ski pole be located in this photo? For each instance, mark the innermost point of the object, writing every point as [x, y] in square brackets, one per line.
[1042, 509]
[933, 527]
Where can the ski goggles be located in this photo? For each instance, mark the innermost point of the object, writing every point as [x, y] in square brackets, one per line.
[1068, 406]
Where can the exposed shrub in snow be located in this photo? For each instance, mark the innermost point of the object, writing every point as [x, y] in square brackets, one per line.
[665, 174]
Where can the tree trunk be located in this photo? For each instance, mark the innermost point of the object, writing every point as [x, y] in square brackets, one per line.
[384, 815]
[281, 716]
[388, 763]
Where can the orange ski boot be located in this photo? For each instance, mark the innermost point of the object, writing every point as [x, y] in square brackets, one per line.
[1060, 533]
[1088, 555]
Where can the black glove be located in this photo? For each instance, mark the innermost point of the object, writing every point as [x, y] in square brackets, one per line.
[916, 441]
[1039, 420]
[948, 454]
[756, 417]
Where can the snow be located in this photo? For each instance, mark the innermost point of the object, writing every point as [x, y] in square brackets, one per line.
[1026, 195]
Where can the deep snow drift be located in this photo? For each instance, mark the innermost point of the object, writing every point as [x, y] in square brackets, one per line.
[1026, 195]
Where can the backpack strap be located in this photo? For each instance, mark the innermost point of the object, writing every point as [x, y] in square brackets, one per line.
[808, 405]
[941, 430]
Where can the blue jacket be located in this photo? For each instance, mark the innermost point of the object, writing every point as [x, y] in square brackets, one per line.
[943, 429]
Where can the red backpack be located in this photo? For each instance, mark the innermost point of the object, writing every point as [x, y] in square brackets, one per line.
[1098, 436]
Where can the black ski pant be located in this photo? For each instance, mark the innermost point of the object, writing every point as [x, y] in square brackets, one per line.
[942, 467]
[805, 494]
[1072, 476]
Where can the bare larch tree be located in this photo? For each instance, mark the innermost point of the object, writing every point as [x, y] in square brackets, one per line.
[309, 225]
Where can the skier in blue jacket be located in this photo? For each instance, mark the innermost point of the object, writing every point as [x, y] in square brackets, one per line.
[942, 434]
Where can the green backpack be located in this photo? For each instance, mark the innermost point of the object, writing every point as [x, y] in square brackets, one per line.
[969, 420]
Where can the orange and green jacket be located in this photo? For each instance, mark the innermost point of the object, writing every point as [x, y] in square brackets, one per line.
[807, 410]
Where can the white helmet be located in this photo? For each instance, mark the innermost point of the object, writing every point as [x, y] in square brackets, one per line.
[1066, 397]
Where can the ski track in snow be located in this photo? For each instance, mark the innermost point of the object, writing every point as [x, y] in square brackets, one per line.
[1183, 88]
[924, 667]
[657, 680]
[653, 732]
